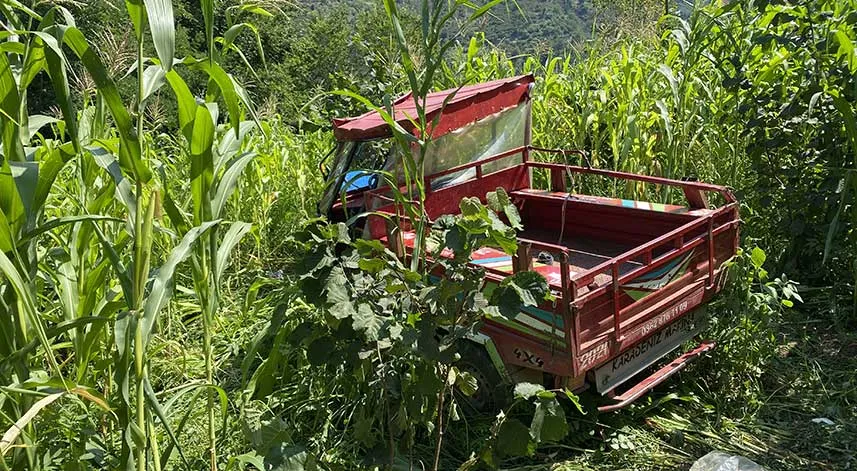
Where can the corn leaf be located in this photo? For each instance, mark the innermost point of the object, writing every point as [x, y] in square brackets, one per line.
[162, 285]
[227, 182]
[163, 29]
[27, 303]
[177, 217]
[153, 80]
[129, 149]
[152, 399]
[202, 165]
[208, 18]
[63, 221]
[49, 168]
[124, 192]
[225, 87]
[137, 12]
[229, 144]
[186, 102]
[230, 240]
[15, 430]
[10, 103]
[118, 267]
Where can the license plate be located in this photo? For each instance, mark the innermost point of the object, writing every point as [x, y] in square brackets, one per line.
[648, 351]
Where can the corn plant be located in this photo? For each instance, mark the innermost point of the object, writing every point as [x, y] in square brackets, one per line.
[92, 252]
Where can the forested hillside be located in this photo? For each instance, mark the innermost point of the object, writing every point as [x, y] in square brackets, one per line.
[521, 27]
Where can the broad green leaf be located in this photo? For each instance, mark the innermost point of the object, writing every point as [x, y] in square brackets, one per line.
[202, 164]
[161, 290]
[226, 87]
[57, 66]
[155, 406]
[466, 383]
[57, 330]
[49, 168]
[153, 80]
[27, 303]
[230, 240]
[479, 12]
[667, 72]
[118, 267]
[336, 286]
[241, 461]
[284, 457]
[846, 50]
[229, 144]
[10, 103]
[129, 150]
[186, 102]
[176, 215]
[234, 31]
[208, 20]
[11, 436]
[255, 9]
[124, 192]
[758, 257]
[26, 178]
[227, 182]
[179, 394]
[513, 439]
[162, 27]
[526, 288]
[471, 206]
[549, 424]
[36, 122]
[62, 221]
[137, 12]
[247, 101]
[366, 321]
[22, 8]
[6, 242]
[34, 62]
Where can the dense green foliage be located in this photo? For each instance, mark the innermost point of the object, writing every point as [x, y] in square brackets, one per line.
[145, 326]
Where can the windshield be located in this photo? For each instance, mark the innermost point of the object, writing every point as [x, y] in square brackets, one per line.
[335, 177]
[353, 168]
[485, 138]
[355, 162]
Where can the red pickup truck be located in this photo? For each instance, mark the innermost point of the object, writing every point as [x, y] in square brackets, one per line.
[628, 276]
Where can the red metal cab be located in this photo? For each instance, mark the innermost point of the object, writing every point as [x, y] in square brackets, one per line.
[628, 276]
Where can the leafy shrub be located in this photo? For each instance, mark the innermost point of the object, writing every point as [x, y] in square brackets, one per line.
[747, 321]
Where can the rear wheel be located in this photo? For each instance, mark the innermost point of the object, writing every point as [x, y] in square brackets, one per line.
[492, 392]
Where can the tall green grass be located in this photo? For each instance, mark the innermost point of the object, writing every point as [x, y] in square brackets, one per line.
[121, 311]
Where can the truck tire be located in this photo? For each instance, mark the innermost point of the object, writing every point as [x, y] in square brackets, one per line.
[492, 392]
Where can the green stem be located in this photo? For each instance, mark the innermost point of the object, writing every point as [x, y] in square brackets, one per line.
[139, 361]
[440, 424]
[209, 376]
[140, 273]
[207, 301]
[156, 452]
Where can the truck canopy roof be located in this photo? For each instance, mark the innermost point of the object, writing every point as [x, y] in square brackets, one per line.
[467, 105]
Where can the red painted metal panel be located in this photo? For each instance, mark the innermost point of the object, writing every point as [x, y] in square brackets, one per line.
[457, 106]
[671, 263]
